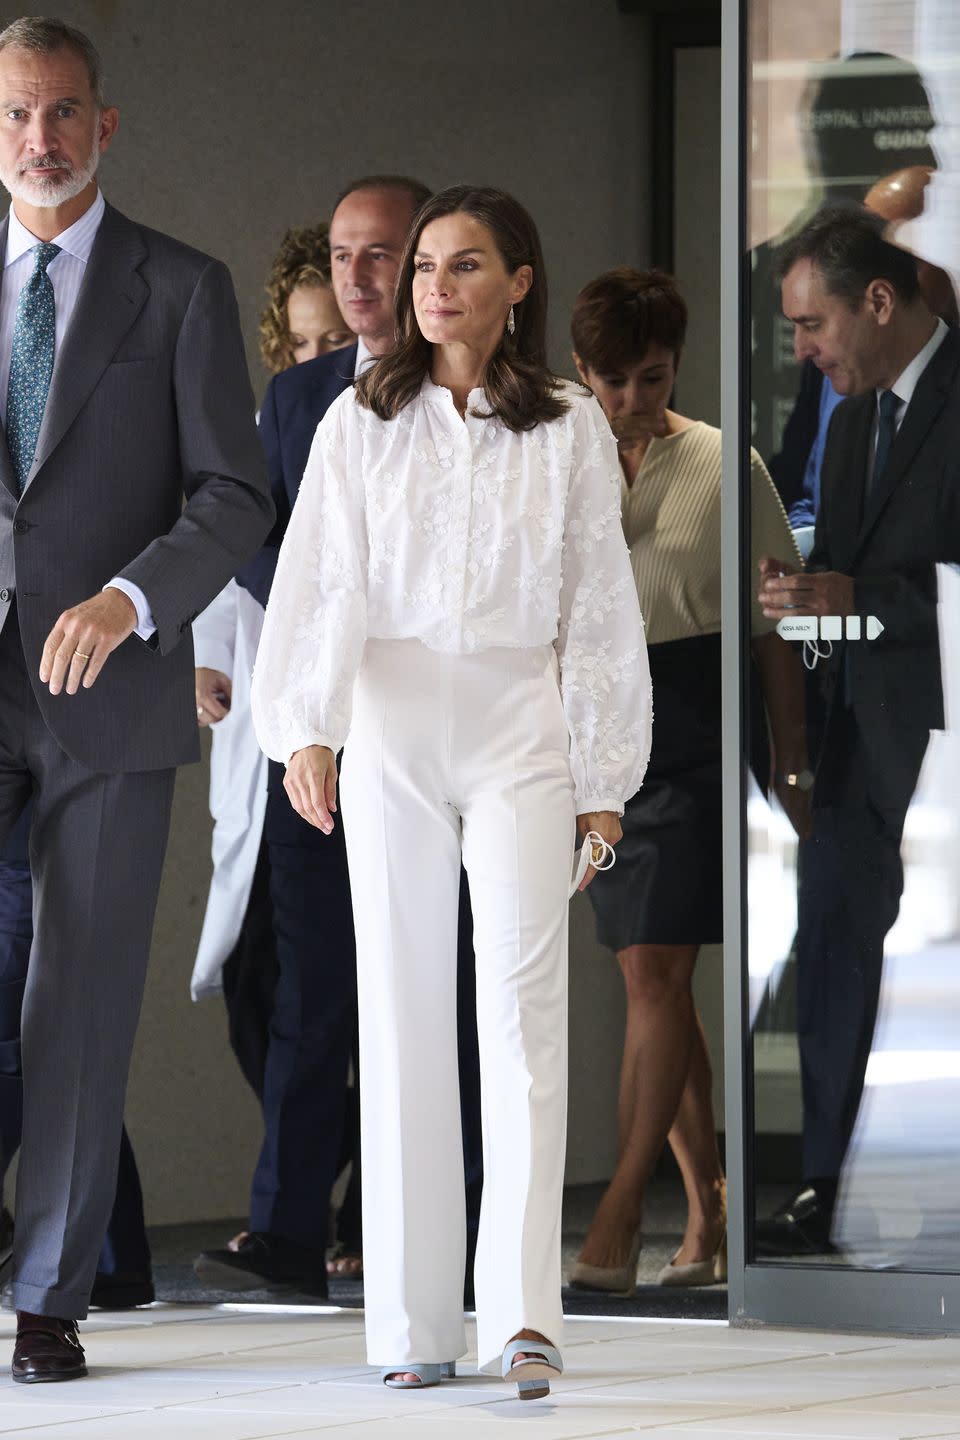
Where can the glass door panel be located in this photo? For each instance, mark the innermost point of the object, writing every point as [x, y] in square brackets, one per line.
[852, 985]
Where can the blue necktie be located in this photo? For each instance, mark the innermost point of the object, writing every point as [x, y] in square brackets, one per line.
[31, 363]
[886, 434]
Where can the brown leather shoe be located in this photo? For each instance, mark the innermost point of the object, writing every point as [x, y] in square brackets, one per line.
[46, 1349]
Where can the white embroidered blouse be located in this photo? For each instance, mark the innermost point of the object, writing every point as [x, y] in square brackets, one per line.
[464, 535]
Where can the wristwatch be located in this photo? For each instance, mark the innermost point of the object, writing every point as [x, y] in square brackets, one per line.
[799, 780]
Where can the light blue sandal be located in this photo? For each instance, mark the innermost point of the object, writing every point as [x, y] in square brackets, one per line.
[427, 1375]
[533, 1375]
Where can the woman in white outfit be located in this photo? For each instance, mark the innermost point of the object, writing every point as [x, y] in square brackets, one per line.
[454, 593]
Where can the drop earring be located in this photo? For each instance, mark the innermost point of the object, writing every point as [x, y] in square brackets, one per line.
[511, 322]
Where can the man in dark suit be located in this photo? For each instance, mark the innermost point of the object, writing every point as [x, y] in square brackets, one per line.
[889, 511]
[315, 1008]
[861, 116]
[131, 490]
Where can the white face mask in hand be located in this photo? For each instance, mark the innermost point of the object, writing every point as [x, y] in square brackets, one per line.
[594, 851]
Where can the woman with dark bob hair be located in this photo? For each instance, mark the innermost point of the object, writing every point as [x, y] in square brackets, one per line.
[454, 600]
[663, 899]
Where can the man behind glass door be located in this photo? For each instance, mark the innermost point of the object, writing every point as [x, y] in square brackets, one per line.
[890, 509]
[862, 116]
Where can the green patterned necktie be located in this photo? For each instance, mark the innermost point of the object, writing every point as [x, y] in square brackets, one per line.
[31, 363]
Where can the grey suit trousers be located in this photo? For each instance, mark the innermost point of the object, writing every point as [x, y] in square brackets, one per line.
[96, 851]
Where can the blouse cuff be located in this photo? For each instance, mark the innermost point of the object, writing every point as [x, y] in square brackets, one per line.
[315, 738]
[594, 804]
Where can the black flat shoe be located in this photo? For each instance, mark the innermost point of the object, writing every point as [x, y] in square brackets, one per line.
[122, 1290]
[265, 1262]
[47, 1349]
[800, 1227]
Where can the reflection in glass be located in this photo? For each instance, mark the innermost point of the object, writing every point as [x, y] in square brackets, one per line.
[854, 932]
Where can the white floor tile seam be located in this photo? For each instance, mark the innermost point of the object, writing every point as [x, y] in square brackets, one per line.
[481, 1400]
[242, 1307]
[246, 1346]
[358, 1378]
[571, 1380]
[58, 1426]
[866, 1404]
[875, 1403]
[449, 1399]
[470, 1390]
[346, 1426]
[677, 1322]
[786, 1413]
[784, 1426]
[276, 1428]
[793, 1344]
[478, 1401]
[686, 1372]
[278, 1308]
[697, 1432]
[679, 1327]
[361, 1373]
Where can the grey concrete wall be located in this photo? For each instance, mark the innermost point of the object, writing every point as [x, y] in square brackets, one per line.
[697, 227]
[237, 120]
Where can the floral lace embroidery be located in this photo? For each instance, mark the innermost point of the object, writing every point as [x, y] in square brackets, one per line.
[466, 535]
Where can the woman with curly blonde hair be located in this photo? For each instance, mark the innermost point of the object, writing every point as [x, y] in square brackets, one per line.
[302, 319]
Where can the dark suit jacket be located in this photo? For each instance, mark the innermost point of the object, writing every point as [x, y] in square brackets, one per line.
[296, 401]
[149, 403]
[890, 545]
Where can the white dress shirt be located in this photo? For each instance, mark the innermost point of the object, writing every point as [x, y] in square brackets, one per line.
[464, 535]
[904, 386]
[66, 272]
[364, 357]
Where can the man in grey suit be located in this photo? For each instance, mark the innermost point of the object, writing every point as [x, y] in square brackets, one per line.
[131, 489]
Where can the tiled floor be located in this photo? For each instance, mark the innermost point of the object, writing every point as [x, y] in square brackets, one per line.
[175, 1373]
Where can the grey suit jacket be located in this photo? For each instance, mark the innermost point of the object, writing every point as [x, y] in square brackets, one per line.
[148, 467]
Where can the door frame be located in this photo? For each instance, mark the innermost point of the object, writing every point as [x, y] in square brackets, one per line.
[825, 1297]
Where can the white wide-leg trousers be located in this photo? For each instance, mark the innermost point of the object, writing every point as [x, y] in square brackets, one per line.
[452, 754]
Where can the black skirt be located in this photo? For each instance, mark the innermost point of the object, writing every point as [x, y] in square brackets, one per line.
[667, 885]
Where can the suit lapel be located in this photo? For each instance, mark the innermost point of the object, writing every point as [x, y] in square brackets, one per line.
[111, 297]
[928, 400]
[345, 370]
[7, 476]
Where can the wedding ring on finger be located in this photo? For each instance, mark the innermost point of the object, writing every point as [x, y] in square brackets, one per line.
[602, 855]
[79, 655]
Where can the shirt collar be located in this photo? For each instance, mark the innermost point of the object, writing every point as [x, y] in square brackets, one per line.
[76, 240]
[432, 391]
[904, 386]
[364, 358]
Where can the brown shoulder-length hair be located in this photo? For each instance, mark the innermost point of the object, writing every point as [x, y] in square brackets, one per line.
[519, 386]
